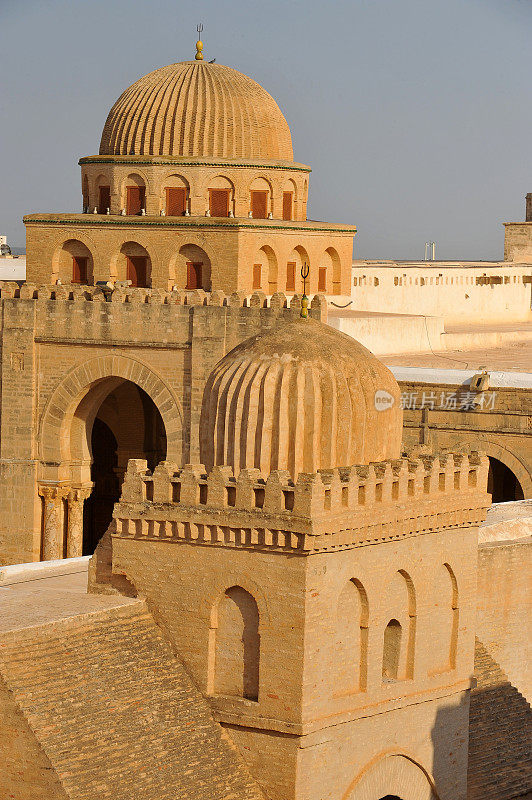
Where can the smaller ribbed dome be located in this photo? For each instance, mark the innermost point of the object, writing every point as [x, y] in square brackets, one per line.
[300, 397]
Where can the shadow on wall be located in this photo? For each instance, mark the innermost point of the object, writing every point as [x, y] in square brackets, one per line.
[498, 729]
[500, 757]
[449, 746]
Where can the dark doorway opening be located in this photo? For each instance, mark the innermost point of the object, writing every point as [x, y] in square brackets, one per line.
[127, 425]
[391, 797]
[502, 483]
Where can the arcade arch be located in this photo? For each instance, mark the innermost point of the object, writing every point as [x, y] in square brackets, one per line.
[190, 268]
[132, 263]
[134, 194]
[175, 196]
[103, 413]
[265, 270]
[508, 477]
[73, 263]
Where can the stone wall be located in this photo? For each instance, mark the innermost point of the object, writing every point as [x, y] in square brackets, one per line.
[327, 561]
[26, 772]
[228, 249]
[64, 345]
[437, 416]
[503, 610]
[518, 241]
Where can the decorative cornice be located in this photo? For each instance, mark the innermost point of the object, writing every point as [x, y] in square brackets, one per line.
[167, 162]
[96, 220]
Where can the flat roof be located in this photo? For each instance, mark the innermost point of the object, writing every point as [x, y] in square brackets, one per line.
[453, 366]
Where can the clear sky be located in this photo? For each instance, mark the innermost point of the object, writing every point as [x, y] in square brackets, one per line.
[415, 115]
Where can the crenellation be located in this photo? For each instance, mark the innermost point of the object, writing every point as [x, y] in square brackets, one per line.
[328, 509]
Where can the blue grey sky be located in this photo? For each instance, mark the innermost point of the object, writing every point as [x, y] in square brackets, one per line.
[415, 115]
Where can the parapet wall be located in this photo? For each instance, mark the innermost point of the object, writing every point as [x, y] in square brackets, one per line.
[141, 296]
[460, 293]
[322, 511]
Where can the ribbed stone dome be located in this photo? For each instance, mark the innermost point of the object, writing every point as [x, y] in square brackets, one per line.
[198, 110]
[300, 397]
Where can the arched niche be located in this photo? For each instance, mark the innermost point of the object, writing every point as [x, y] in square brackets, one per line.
[132, 263]
[260, 198]
[133, 195]
[444, 619]
[398, 610]
[293, 279]
[329, 272]
[235, 623]
[351, 645]
[190, 268]
[220, 198]
[102, 193]
[289, 199]
[265, 270]
[73, 263]
[393, 775]
[175, 196]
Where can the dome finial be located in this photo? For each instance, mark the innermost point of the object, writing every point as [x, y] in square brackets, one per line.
[199, 44]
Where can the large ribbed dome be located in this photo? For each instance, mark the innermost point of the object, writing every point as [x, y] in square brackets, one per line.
[197, 110]
[300, 397]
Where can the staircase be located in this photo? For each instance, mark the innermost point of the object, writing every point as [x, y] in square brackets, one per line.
[500, 766]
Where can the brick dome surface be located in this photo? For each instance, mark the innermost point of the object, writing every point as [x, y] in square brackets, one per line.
[197, 110]
[300, 397]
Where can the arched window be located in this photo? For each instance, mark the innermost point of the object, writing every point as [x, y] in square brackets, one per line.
[191, 268]
[265, 270]
[391, 651]
[134, 264]
[176, 196]
[103, 194]
[135, 194]
[260, 198]
[73, 262]
[351, 647]
[237, 652]
[399, 607]
[294, 281]
[221, 197]
[444, 621]
[289, 198]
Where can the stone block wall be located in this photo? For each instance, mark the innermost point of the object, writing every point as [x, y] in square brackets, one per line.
[228, 249]
[364, 544]
[504, 608]
[64, 345]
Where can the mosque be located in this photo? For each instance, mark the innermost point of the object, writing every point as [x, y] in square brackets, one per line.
[283, 604]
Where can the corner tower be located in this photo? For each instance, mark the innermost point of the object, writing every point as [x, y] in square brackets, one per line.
[195, 187]
[324, 603]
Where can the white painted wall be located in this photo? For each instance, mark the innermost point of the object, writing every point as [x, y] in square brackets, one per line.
[13, 269]
[444, 289]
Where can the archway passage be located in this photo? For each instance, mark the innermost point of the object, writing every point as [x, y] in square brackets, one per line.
[127, 425]
[502, 483]
[391, 797]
